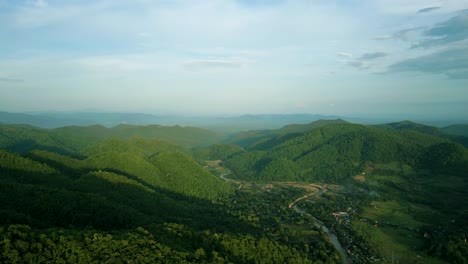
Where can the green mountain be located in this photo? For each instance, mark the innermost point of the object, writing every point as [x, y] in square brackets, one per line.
[411, 126]
[246, 138]
[156, 163]
[329, 153]
[458, 129]
[71, 140]
[424, 129]
[216, 152]
[122, 195]
[142, 201]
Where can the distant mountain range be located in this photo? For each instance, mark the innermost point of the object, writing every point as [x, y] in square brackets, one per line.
[224, 124]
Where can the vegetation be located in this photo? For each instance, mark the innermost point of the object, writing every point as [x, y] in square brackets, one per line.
[333, 153]
[71, 198]
[71, 140]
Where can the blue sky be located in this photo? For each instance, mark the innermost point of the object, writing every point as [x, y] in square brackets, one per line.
[369, 57]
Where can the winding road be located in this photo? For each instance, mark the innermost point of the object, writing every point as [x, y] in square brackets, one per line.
[333, 238]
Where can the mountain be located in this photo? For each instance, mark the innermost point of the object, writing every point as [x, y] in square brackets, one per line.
[70, 140]
[246, 138]
[458, 129]
[411, 126]
[330, 153]
[144, 201]
[221, 123]
[24, 138]
[59, 119]
[154, 162]
[122, 194]
[430, 130]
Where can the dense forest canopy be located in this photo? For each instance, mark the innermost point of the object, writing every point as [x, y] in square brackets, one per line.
[152, 194]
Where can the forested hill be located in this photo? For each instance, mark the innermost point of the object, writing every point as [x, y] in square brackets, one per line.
[70, 140]
[246, 138]
[141, 201]
[456, 133]
[459, 129]
[336, 151]
[115, 176]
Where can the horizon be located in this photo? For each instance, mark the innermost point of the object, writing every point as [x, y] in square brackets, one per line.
[374, 58]
[246, 121]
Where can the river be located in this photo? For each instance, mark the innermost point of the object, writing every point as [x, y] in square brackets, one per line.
[333, 239]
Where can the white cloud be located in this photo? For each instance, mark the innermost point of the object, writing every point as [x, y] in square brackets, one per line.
[113, 63]
[215, 64]
[402, 7]
[345, 54]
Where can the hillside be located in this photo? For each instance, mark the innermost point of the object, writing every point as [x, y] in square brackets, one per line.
[246, 138]
[329, 153]
[71, 140]
[411, 126]
[140, 200]
[458, 129]
[154, 162]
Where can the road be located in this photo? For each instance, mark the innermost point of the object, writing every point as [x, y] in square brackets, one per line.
[333, 239]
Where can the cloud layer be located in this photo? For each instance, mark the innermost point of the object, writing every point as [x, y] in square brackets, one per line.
[453, 63]
[230, 55]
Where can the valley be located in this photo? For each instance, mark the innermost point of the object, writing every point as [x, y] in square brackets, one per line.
[325, 192]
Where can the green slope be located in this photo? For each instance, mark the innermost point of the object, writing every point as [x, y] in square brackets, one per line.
[70, 140]
[57, 209]
[329, 153]
[253, 137]
[458, 129]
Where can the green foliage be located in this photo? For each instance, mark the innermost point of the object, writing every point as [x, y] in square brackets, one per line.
[446, 157]
[70, 140]
[184, 175]
[147, 201]
[10, 161]
[26, 138]
[216, 152]
[137, 146]
[458, 129]
[280, 166]
[255, 137]
[245, 165]
[184, 136]
[329, 153]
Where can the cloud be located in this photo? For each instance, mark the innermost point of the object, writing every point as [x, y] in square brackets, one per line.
[212, 64]
[453, 30]
[344, 54]
[451, 62]
[403, 35]
[11, 80]
[429, 9]
[362, 65]
[384, 37]
[372, 56]
[113, 63]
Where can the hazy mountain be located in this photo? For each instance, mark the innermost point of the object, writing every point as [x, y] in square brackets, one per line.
[245, 138]
[458, 129]
[69, 140]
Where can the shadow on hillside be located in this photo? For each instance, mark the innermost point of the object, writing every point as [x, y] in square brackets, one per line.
[92, 202]
[28, 145]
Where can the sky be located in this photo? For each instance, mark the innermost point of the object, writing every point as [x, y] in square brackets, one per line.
[210, 57]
